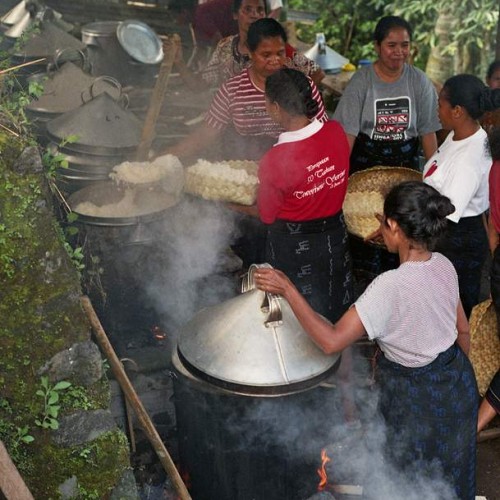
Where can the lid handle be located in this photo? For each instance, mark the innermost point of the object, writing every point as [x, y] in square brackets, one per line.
[69, 55]
[271, 304]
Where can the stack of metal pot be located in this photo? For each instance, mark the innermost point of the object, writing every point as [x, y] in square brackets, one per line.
[65, 87]
[104, 133]
[41, 48]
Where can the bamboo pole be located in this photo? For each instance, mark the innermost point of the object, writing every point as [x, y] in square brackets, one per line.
[11, 482]
[13, 68]
[170, 48]
[134, 400]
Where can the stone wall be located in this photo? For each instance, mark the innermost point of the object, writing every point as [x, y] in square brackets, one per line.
[63, 440]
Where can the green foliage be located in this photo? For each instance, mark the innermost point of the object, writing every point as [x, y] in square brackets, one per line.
[50, 410]
[76, 397]
[14, 436]
[348, 26]
[53, 160]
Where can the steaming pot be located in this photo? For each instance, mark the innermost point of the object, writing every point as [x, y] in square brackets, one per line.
[253, 344]
[249, 403]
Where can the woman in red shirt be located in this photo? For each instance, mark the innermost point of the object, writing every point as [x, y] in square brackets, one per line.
[303, 182]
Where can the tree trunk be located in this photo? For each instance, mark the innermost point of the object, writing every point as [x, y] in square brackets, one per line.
[440, 64]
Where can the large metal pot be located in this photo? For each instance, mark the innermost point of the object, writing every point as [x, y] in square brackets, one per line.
[252, 414]
[109, 57]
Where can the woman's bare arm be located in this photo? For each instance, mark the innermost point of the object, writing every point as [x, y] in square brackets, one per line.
[463, 339]
[330, 338]
[429, 144]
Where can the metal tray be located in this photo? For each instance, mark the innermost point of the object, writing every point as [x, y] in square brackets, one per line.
[140, 41]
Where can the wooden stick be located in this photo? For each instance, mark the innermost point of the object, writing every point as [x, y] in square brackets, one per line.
[134, 401]
[9, 130]
[348, 489]
[488, 434]
[8, 70]
[170, 48]
[11, 482]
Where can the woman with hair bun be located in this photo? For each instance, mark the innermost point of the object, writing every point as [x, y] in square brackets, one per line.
[459, 170]
[302, 186]
[428, 391]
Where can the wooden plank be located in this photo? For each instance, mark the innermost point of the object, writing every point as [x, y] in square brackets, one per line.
[11, 482]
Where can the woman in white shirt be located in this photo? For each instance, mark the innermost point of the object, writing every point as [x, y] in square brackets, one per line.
[459, 170]
[429, 396]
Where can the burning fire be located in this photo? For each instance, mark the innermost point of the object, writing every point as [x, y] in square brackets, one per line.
[323, 476]
[158, 333]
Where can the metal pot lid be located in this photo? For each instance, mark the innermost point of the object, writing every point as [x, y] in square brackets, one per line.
[101, 28]
[48, 41]
[69, 87]
[253, 343]
[15, 14]
[140, 41]
[145, 207]
[101, 125]
[324, 56]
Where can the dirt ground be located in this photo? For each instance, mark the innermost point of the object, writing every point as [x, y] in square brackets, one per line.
[488, 466]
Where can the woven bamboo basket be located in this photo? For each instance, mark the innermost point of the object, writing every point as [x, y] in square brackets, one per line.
[485, 345]
[365, 195]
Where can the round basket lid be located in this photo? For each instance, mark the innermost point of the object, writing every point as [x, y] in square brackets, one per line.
[140, 41]
[100, 125]
[254, 344]
[366, 191]
[484, 344]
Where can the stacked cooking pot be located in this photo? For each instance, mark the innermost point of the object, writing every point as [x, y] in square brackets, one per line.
[104, 134]
[248, 398]
[65, 88]
[42, 46]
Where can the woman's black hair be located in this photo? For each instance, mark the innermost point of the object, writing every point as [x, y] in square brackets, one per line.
[261, 29]
[419, 210]
[472, 94]
[494, 66]
[292, 91]
[494, 142]
[388, 23]
[237, 5]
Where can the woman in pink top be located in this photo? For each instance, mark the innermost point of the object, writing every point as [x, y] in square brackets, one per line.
[490, 407]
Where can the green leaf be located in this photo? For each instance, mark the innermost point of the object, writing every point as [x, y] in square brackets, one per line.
[53, 398]
[53, 424]
[61, 385]
[27, 439]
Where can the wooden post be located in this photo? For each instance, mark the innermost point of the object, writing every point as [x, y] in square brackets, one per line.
[11, 482]
[170, 47]
[134, 401]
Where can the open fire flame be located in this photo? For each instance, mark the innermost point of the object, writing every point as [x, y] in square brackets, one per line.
[158, 333]
[323, 476]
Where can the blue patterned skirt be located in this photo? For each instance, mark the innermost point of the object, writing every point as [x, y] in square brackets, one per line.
[431, 417]
[314, 255]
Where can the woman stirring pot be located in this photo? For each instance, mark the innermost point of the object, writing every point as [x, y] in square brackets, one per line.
[239, 108]
[388, 105]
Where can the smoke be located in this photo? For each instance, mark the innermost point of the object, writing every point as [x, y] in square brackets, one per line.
[301, 425]
[192, 266]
